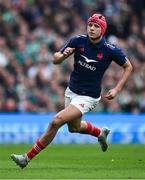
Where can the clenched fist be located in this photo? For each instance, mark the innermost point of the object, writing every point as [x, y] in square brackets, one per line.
[68, 51]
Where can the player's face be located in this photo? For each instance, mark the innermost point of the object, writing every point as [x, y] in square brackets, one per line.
[93, 30]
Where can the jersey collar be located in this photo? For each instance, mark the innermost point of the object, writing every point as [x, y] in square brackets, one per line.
[97, 45]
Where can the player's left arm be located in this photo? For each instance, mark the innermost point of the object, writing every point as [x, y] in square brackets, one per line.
[127, 69]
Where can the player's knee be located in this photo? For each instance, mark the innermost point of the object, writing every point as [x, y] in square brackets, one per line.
[56, 122]
[73, 129]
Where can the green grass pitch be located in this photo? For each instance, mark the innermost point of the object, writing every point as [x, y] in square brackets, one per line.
[76, 162]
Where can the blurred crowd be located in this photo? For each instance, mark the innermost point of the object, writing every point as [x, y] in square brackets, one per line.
[32, 30]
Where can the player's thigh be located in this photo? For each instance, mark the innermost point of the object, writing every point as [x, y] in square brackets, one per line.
[68, 114]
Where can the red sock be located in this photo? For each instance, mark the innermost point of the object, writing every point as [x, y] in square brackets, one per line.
[92, 130]
[36, 148]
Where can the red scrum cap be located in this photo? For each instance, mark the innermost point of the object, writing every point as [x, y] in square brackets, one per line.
[100, 20]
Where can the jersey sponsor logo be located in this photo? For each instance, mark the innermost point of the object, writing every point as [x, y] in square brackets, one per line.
[100, 56]
[88, 60]
[84, 64]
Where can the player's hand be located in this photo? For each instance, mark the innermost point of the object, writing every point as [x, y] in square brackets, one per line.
[68, 51]
[111, 94]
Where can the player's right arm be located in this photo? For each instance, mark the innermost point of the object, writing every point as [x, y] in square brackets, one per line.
[61, 56]
[66, 51]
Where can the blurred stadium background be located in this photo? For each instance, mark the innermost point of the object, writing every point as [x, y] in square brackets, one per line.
[32, 30]
[32, 88]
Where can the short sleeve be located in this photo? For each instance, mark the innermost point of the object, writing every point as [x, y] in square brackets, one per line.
[71, 43]
[118, 56]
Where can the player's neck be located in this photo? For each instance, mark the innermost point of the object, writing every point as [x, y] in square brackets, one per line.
[96, 40]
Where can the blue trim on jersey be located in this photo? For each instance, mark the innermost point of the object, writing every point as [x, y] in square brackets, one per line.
[90, 63]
